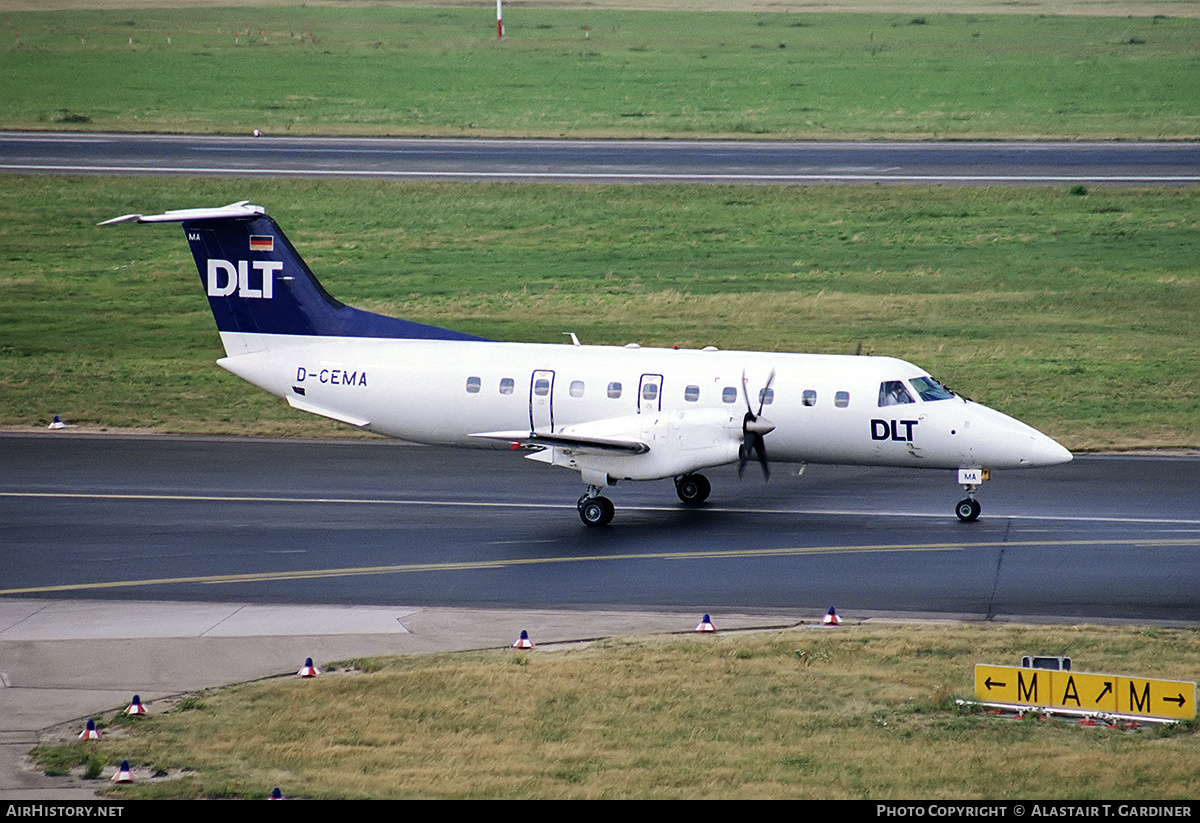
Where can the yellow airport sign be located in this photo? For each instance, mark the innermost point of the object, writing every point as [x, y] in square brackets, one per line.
[1082, 691]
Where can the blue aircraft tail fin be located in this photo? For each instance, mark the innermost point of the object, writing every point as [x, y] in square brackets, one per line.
[257, 282]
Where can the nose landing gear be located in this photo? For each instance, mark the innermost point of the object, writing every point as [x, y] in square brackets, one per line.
[968, 508]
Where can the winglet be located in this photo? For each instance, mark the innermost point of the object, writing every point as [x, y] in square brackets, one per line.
[242, 208]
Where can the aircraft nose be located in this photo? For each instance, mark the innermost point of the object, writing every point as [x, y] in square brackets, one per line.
[1045, 451]
[1004, 442]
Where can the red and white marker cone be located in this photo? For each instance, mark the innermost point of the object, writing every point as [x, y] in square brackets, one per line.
[91, 732]
[123, 774]
[523, 642]
[135, 708]
[308, 669]
[831, 618]
[705, 625]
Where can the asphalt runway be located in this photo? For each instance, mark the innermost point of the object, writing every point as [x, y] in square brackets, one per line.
[374, 522]
[611, 161]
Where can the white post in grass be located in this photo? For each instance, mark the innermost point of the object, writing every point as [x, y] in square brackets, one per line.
[499, 22]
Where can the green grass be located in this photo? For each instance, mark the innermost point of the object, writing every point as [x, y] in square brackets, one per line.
[857, 712]
[637, 74]
[1071, 312]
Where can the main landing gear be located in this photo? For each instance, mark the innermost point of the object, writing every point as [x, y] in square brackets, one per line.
[595, 510]
[692, 489]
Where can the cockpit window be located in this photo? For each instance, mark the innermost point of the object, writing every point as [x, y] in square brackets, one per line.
[893, 393]
[930, 389]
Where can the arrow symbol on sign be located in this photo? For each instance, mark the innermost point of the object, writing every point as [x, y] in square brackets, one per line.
[989, 684]
[1179, 700]
[1107, 689]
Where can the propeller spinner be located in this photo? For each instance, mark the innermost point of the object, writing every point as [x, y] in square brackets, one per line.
[754, 427]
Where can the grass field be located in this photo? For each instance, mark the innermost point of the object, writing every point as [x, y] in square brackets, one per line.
[1070, 311]
[857, 712]
[601, 72]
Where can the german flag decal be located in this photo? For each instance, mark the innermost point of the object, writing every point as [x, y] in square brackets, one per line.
[262, 242]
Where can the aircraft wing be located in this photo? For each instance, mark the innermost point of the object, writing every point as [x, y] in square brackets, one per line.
[564, 440]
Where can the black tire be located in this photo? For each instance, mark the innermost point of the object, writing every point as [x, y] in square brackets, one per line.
[968, 510]
[596, 511]
[693, 489]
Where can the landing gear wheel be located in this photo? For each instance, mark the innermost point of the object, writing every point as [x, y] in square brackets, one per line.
[596, 511]
[693, 489]
[968, 510]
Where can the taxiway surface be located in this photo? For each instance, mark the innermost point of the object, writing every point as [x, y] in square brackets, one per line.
[373, 522]
[604, 161]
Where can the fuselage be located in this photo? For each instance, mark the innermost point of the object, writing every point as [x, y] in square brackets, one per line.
[825, 408]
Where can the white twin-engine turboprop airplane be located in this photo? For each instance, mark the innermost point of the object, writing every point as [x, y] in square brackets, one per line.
[607, 412]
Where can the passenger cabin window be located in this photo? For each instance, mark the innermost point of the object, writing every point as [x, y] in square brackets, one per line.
[893, 393]
[541, 387]
[576, 388]
[766, 397]
[729, 394]
[507, 385]
[841, 399]
[614, 390]
[650, 391]
[930, 389]
[809, 398]
[473, 384]
[691, 394]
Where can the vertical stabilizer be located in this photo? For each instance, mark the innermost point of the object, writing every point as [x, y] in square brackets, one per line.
[257, 283]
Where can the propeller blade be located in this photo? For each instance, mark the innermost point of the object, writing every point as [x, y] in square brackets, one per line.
[762, 456]
[762, 395]
[753, 445]
[754, 427]
[746, 396]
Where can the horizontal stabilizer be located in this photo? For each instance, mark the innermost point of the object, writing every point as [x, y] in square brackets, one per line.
[242, 208]
[569, 441]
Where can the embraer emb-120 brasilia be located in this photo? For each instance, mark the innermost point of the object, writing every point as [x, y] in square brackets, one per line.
[610, 413]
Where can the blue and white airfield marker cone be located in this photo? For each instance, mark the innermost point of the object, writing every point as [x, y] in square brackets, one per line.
[276, 794]
[56, 423]
[705, 625]
[308, 669]
[523, 642]
[135, 709]
[90, 732]
[831, 618]
[123, 774]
